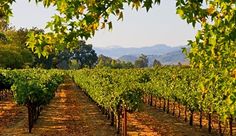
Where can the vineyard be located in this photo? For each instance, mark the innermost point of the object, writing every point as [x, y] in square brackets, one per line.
[31, 88]
[124, 94]
[197, 99]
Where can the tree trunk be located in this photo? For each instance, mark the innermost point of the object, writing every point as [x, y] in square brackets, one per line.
[173, 109]
[124, 122]
[112, 118]
[108, 114]
[155, 101]
[168, 105]
[185, 114]
[160, 103]
[179, 110]
[119, 111]
[231, 125]
[30, 117]
[220, 127]
[151, 101]
[200, 121]
[209, 123]
[164, 107]
[191, 118]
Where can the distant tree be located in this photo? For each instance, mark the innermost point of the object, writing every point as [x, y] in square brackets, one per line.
[19, 37]
[3, 38]
[156, 63]
[3, 28]
[127, 64]
[141, 62]
[74, 64]
[3, 25]
[115, 64]
[62, 59]
[179, 64]
[11, 41]
[104, 61]
[11, 57]
[85, 55]
[44, 62]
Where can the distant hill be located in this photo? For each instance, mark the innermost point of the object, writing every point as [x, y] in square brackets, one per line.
[129, 58]
[167, 55]
[116, 52]
[171, 58]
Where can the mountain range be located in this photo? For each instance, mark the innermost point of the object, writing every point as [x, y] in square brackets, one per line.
[167, 55]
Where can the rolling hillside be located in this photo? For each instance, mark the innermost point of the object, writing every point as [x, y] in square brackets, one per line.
[167, 55]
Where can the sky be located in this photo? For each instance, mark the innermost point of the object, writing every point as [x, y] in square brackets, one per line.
[161, 25]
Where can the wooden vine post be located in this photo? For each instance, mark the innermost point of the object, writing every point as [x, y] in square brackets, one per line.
[119, 112]
[220, 127]
[209, 123]
[160, 103]
[112, 118]
[124, 121]
[179, 110]
[30, 117]
[173, 113]
[185, 114]
[191, 118]
[164, 106]
[151, 99]
[231, 125]
[155, 101]
[200, 119]
[168, 105]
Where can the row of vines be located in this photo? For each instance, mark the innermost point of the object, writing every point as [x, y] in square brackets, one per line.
[196, 90]
[31, 88]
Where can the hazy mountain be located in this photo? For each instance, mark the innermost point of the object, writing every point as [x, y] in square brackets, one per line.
[116, 52]
[129, 58]
[165, 54]
[166, 59]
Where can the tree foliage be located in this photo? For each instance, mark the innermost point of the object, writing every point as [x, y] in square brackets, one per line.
[156, 63]
[14, 53]
[85, 55]
[104, 61]
[214, 44]
[141, 62]
[82, 18]
[74, 21]
[14, 57]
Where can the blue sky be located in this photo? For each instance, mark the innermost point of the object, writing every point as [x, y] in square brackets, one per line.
[160, 25]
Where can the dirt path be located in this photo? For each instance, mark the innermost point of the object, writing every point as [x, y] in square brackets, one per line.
[11, 114]
[70, 113]
[153, 122]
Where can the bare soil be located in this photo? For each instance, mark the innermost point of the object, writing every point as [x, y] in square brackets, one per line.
[151, 121]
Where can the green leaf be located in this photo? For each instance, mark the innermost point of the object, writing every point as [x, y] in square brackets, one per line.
[180, 12]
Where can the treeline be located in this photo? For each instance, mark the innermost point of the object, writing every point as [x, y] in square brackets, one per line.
[15, 54]
[141, 62]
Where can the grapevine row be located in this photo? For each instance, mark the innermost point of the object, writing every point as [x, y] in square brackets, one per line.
[210, 92]
[31, 88]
